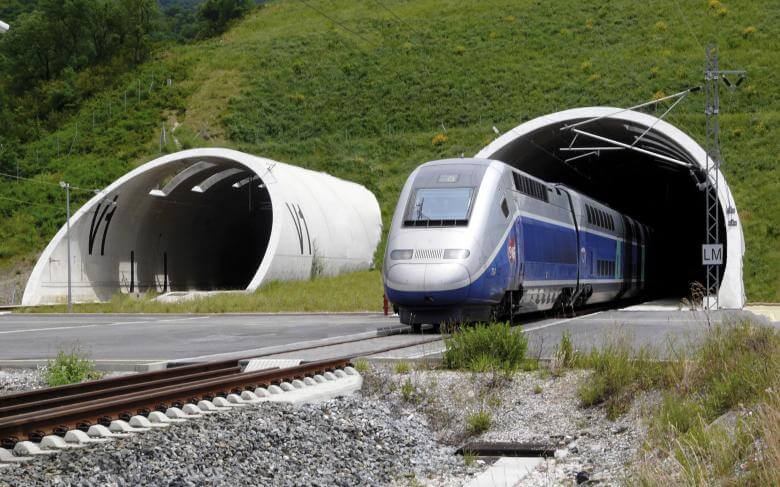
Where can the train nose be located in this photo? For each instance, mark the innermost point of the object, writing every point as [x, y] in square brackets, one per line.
[416, 284]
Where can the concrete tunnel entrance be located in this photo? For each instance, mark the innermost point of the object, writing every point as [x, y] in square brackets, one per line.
[204, 225]
[208, 219]
[667, 196]
[209, 231]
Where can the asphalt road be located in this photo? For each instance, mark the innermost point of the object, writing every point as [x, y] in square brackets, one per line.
[149, 338]
[119, 341]
[655, 330]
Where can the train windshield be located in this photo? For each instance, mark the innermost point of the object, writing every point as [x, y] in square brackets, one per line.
[439, 207]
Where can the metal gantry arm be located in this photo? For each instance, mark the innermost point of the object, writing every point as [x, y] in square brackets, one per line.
[616, 144]
[641, 105]
[623, 145]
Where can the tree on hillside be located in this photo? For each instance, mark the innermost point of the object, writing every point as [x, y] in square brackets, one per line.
[75, 34]
[139, 16]
[30, 50]
[217, 14]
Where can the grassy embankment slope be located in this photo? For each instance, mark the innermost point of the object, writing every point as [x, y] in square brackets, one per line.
[291, 85]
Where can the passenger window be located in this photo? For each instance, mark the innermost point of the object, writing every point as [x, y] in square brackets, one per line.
[504, 208]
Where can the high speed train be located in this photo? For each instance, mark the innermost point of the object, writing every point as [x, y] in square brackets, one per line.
[476, 239]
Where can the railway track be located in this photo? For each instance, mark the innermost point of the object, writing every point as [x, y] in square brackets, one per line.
[55, 411]
[34, 415]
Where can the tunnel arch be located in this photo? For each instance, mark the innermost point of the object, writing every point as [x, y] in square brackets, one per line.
[655, 188]
[209, 219]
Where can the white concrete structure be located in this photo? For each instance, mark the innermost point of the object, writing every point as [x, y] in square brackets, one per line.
[540, 143]
[209, 219]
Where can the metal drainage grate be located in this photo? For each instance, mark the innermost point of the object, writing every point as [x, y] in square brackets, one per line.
[507, 449]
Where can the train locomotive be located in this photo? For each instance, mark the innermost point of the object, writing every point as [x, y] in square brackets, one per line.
[476, 240]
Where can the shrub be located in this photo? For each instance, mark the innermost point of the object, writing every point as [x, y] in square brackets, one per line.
[566, 349]
[478, 422]
[401, 367]
[69, 368]
[485, 347]
[408, 391]
[737, 364]
[362, 366]
[617, 376]
[469, 458]
[537, 389]
[678, 415]
[439, 139]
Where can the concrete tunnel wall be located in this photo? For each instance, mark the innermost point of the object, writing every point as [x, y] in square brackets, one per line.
[662, 194]
[209, 219]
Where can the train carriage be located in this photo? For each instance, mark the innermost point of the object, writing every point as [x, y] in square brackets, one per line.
[475, 239]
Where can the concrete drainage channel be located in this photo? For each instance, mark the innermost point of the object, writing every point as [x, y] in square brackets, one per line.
[510, 462]
[68, 417]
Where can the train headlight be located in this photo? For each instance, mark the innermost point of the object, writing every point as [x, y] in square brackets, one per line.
[456, 253]
[401, 254]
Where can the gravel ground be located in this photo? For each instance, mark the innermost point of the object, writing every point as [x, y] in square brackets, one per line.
[343, 442]
[19, 380]
[530, 407]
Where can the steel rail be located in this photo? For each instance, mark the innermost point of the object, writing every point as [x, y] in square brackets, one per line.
[34, 425]
[72, 389]
[53, 402]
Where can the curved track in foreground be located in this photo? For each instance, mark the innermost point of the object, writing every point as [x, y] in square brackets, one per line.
[35, 414]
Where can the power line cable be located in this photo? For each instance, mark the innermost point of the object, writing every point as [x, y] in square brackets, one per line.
[687, 25]
[46, 183]
[397, 17]
[340, 24]
[31, 203]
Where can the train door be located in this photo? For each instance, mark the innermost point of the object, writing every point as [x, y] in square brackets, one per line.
[519, 252]
[628, 255]
[641, 257]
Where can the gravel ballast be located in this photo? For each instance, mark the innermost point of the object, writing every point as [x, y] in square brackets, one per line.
[20, 380]
[344, 442]
[531, 407]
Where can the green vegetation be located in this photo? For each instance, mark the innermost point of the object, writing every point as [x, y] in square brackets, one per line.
[358, 291]
[401, 367]
[408, 391]
[719, 417]
[288, 84]
[618, 374]
[482, 348]
[362, 366]
[69, 368]
[469, 458]
[479, 421]
[717, 422]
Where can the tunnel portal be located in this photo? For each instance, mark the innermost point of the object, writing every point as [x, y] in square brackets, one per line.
[204, 220]
[662, 186]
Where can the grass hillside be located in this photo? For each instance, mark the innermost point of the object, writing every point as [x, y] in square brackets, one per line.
[401, 82]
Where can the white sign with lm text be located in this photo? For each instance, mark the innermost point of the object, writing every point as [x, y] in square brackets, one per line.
[712, 254]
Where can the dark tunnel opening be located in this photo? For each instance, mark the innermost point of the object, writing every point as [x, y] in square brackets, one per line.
[659, 193]
[210, 238]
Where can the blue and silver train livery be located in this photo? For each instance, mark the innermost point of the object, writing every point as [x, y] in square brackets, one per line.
[476, 239]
